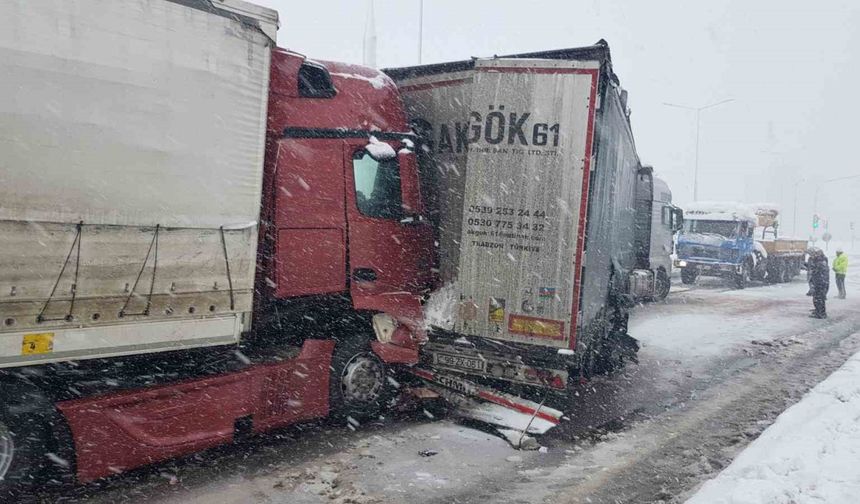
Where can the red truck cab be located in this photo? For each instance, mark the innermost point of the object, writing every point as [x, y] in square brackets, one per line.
[342, 212]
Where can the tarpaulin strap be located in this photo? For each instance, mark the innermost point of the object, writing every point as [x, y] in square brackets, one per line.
[153, 245]
[227, 263]
[76, 243]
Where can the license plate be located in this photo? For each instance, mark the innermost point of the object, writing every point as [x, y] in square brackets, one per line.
[459, 362]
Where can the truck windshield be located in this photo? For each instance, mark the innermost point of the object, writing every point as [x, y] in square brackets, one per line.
[377, 186]
[727, 229]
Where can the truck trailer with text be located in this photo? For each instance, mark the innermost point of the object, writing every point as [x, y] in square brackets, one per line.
[530, 173]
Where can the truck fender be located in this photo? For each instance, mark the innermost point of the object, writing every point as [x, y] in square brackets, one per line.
[394, 354]
[409, 333]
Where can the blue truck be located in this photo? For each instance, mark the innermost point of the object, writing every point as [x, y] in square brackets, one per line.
[738, 242]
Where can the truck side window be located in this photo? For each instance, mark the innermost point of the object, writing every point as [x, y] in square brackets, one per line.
[377, 186]
[666, 217]
[315, 81]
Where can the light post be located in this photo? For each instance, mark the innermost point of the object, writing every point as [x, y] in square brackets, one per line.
[420, 30]
[698, 111]
[818, 189]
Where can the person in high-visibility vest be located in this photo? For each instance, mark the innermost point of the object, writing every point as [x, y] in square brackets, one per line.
[840, 267]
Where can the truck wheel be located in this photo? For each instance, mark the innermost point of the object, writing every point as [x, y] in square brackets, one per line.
[774, 272]
[688, 276]
[760, 269]
[787, 272]
[663, 286]
[742, 279]
[359, 388]
[23, 443]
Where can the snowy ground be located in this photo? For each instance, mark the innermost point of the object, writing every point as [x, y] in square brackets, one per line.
[808, 455]
[716, 368]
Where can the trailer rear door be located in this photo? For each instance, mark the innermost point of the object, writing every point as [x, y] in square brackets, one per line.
[531, 125]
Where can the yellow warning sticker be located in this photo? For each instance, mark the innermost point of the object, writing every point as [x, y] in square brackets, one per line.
[531, 326]
[497, 310]
[37, 343]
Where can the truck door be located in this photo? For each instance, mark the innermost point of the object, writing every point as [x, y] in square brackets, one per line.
[526, 200]
[390, 244]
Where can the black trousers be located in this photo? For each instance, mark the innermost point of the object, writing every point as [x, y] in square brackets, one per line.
[840, 284]
[819, 297]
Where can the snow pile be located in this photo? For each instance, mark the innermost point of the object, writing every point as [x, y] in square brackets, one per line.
[771, 209]
[712, 240]
[380, 150]
[440, 309]
[809, 454]
[379, 81]
[720, 210]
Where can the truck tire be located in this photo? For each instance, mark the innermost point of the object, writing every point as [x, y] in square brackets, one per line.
[24, 438]
[688, 275]
[761, 269]
[787, 271]
[774, 271]
[742, 279]
[359, 387]
[664, 284]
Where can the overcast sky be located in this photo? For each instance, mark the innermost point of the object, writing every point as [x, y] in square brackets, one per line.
[792, 68]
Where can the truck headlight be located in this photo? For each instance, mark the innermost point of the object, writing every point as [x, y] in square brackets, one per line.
[384, 326]
[682, 264]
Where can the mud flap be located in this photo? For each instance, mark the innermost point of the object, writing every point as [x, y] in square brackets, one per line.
[628, 347]
[504, 411]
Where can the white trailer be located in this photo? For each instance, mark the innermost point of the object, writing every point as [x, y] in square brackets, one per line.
[536, 222]
[131, 153]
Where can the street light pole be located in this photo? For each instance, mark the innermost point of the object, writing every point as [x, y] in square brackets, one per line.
[420, 30]
[698, 123]
[818, 189]
[696, 166]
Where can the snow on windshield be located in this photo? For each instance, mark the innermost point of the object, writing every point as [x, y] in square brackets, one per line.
[727, 229]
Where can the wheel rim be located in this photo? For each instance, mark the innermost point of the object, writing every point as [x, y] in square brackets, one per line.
[362, 379]
[7, 450]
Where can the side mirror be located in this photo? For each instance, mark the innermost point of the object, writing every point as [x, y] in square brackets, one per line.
[677, 219]
[409, 185]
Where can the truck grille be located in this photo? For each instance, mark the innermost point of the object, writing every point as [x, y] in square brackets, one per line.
[704, 252]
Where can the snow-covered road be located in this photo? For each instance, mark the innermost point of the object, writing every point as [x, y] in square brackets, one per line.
[809, 455]
[717, 366]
